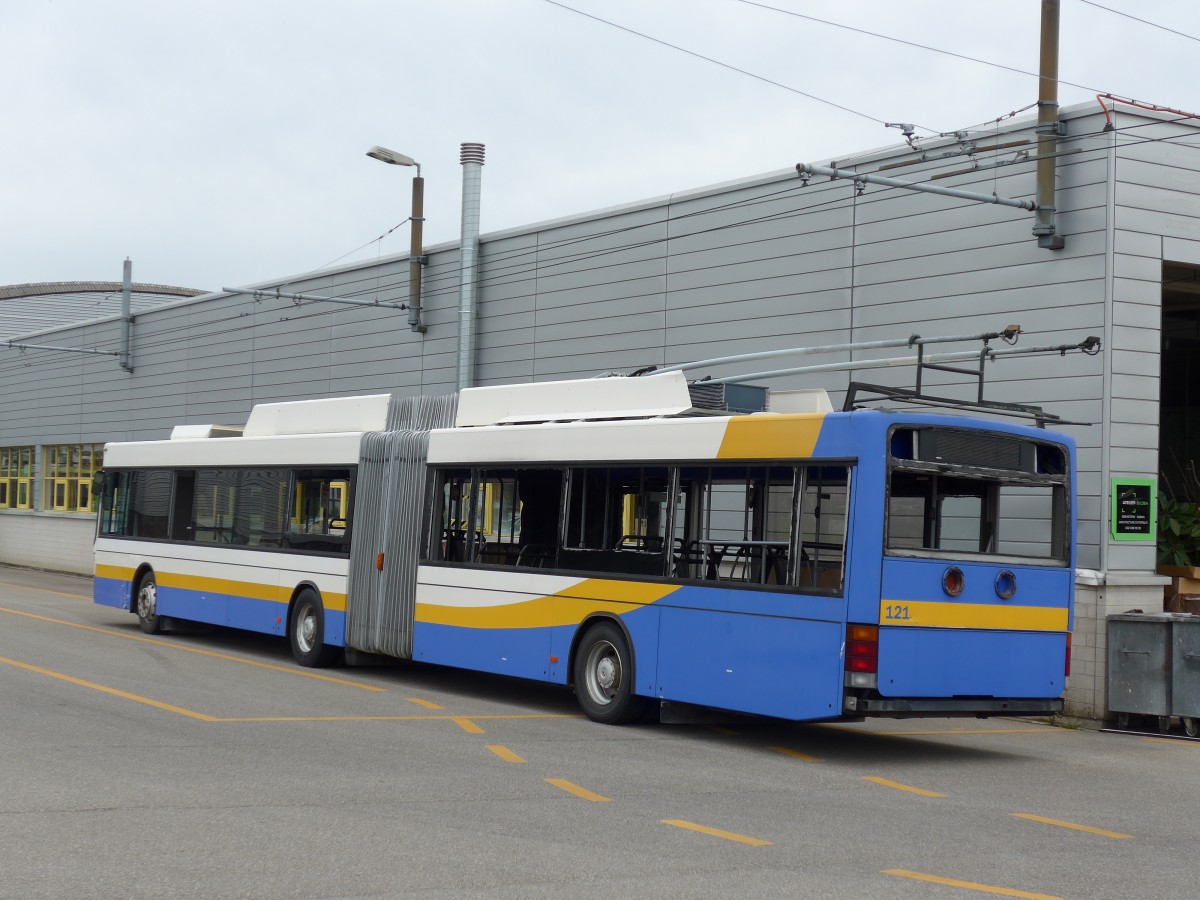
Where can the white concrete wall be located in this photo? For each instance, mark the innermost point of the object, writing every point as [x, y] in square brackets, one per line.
[59, 542]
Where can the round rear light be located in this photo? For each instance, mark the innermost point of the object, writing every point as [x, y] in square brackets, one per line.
[953, 581]
[1006, 585]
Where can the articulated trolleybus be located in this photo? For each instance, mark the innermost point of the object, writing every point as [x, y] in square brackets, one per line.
[612, 535]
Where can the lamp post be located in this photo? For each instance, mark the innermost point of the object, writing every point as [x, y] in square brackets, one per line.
[415, 258]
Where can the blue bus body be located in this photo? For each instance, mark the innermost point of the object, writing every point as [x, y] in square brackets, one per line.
[777, 646]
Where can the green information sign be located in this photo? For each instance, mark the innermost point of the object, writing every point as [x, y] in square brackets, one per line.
[1134, 509]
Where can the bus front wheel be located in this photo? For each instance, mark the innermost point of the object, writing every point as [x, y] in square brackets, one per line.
[604, 677]
[307, 631]
[146, 605]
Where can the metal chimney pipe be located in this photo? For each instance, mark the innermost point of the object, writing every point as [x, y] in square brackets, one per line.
[126, 316]
[471, 158]
[1047, 129]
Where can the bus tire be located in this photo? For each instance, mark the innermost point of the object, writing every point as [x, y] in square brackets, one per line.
[145, 604]
[306, 631]
[604, 677]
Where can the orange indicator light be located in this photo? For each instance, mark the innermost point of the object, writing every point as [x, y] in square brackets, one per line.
[863, 632]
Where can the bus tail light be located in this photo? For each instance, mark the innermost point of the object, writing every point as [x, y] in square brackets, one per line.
[1067, 666]
[953, 581]
[862, 655]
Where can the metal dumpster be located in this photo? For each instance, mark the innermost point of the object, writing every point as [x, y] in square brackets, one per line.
[1185, 671]
[1154, 669]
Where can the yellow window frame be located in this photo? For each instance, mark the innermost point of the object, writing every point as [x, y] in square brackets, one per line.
[16, 477]
[68, 471]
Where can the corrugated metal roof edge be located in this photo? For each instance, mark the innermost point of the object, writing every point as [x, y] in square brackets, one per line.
[14, 291]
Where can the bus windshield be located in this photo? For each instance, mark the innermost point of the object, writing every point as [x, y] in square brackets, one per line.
[951, 499]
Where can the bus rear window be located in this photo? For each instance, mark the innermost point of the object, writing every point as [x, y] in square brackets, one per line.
[955, 514]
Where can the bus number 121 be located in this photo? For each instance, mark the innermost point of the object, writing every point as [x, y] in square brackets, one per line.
[897, 612]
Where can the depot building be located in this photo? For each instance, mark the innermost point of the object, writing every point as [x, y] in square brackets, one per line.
[820, 255]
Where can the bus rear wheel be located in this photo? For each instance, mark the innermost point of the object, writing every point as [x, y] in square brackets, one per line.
[307, 631]
[145, 603]
[604, 677]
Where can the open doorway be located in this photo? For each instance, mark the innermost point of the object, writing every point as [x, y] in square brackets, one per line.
[1179, 387]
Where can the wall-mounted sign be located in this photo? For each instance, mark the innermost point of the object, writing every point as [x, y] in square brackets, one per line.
[1134, 509]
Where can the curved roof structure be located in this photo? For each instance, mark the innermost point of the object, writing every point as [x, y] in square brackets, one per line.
[30, 308]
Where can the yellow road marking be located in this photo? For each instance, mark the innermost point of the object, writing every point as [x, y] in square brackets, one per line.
[505, 754]
[289, 670]
[716, 832]
[902, 787]
[455, 719]
[24, 587]
[1072, 825]
[464, 723]
[977, 731]
[969, 885]
[157, 704]
[724, 732]
[788, 751]
[425, 703]
[563, 784]
[1172, 741]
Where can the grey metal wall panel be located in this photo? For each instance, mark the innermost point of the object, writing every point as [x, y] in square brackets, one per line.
[1135, 387]
[1134, 435]
[1142, 268]
[1133, 461]
[1166, 224]
[1137, 315]
[1146, 340]
[1177, 250]
[1137, 244]
[1134, 414]
[1127, 362]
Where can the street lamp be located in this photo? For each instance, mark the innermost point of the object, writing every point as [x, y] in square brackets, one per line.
[415, 258]
[383, 154]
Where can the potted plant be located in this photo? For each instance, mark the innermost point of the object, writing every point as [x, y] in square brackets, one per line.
[1179, 552]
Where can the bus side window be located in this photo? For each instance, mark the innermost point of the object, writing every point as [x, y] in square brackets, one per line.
[149, 503]
[114, 504]
[734, 523]
[617, 520]
[452, 509]
[319, 514]
[213, 505]
[261, 502]
[824, 505]
[183, 525]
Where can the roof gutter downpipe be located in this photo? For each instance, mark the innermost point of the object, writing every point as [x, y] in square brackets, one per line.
[1048, 129]
[471, 157]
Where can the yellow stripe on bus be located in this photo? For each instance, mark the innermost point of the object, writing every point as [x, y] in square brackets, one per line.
[116, 573]
[224, 586]
[936, 614]
[771, 437]
[593, 595]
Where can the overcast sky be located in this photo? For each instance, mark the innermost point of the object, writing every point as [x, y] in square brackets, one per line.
[222, 142]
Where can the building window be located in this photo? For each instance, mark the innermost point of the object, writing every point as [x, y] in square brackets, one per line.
[16, 477]
[67, 473]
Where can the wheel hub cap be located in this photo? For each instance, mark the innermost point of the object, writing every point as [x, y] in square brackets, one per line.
[146, 602]
[606, 674]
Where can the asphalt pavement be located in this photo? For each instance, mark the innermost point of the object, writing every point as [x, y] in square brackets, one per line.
[205, 763]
